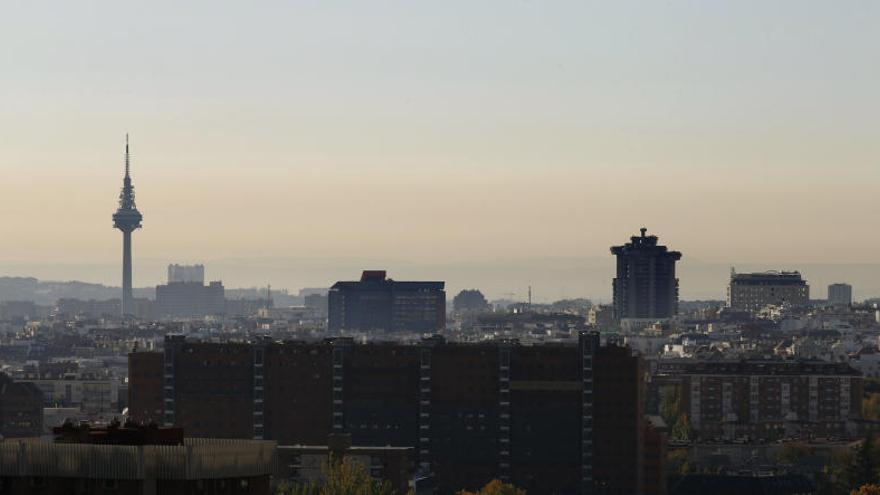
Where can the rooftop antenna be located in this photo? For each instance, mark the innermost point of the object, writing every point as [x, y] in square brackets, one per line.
[530, 298]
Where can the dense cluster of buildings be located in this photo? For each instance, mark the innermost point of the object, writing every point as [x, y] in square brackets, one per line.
[561, 398]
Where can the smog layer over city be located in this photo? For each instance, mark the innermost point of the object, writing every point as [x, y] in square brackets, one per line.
[496, 248]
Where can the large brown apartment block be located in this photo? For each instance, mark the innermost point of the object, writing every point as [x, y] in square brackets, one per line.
[555, 418]
[298, 387]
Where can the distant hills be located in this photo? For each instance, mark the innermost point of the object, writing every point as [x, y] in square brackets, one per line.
[48, 292]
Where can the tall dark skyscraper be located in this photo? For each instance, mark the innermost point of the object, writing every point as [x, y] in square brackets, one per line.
[645, 287]
[127, 218]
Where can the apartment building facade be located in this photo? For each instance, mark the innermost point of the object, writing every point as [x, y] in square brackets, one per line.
[550, 418]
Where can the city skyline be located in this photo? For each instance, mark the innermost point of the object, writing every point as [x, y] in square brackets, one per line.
[528, 141]
[127, 219]
[551, 280]
[568, 247]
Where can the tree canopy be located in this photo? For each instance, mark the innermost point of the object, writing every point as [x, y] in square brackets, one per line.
[496, 487]
[469, 300]
[345, 477]
[871, 489]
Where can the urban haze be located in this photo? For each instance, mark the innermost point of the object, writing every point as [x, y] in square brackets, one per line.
[496, 248]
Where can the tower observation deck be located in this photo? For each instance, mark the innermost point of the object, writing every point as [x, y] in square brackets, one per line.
[127, 219]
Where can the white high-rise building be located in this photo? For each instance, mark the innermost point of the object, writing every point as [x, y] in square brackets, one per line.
[186, 273]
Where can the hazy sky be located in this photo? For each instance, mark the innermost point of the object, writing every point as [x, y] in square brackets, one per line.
[437, 134]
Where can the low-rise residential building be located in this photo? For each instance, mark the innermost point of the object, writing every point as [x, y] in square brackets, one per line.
[94, 392]
[135, 459]
[770, 399]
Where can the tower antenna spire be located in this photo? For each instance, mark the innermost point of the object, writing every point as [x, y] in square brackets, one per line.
[127, 162]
